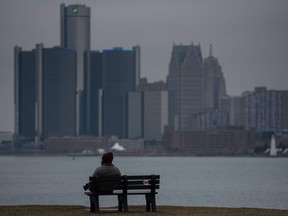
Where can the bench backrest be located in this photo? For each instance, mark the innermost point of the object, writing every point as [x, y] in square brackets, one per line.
[102, 185]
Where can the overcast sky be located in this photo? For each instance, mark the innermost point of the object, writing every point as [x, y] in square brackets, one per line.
[249, 37]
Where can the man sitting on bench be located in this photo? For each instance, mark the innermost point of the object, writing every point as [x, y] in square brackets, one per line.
[106, 168]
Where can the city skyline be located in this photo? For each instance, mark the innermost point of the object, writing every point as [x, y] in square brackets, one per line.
[249, 39]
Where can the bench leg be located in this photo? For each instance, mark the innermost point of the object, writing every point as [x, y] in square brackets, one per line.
[125, 203]
[153, 203]
[94, 204]
[147, 202]
[150, 202]
[120, 203]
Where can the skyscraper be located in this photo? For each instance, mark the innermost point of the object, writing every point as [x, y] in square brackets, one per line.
[119, 78]
[214, 86]
[24, 92]
[185, 85]
[135, 115]
[155, 111]
[45, 85]
[59, 87]
[148, 111]
[75, 33]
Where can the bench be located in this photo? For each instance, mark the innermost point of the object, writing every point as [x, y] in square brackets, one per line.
[122, 187]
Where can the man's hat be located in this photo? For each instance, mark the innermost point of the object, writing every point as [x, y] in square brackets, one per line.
[107, 157]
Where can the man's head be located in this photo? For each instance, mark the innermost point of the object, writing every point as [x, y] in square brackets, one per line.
[107, 158]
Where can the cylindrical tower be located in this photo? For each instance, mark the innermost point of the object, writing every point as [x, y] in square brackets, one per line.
[75, 34]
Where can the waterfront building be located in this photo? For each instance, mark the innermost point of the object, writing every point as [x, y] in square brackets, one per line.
[210, 120]
[45, 85]
[147, 115]
[75, 33]
[135, 115]
[185, 85]
[266, 110]
[148, 111]
[76, 146]
[215, 142]
[155, 111]
[59, 87]
[24, 92]
[235, 107]
[119, 78]
[214, 86]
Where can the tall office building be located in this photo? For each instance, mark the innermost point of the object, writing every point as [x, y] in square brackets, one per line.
[214, 86]
[59, 86]
[24, 93]
[185, 85]
[135, 115]
[45, 85]
[148, 111]
[75, 33]
[155, 111]
[119, 78]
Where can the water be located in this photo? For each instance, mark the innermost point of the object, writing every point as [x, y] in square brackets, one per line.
[185, 181]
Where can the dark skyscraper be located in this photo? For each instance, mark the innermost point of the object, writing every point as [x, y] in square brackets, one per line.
[119, 78]
[75, 33]
[45, 86]
[185, 85]
[59, 87]
[24, 99]
[71, 91]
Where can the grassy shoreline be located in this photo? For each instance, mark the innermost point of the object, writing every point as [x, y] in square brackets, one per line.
[66, 210]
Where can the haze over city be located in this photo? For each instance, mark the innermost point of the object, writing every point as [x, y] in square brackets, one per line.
[249, 38]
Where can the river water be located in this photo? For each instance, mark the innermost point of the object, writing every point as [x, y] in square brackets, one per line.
[185, 181]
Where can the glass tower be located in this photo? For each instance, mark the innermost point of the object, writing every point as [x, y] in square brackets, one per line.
[75, 33]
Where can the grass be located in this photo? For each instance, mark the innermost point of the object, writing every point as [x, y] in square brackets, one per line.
[43, 210]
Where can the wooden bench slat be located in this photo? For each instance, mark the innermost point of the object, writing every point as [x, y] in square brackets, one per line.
[120, 193]
[142, 177]
[157, 181]
[129, 187]
[140, 187]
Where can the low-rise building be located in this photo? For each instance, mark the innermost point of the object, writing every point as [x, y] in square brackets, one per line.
[266, 110]
[213, 142]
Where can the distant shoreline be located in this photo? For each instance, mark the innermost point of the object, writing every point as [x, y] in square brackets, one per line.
[138, 154]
